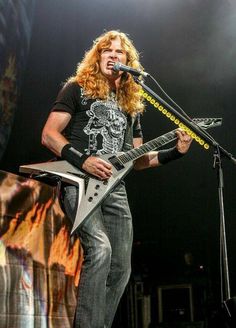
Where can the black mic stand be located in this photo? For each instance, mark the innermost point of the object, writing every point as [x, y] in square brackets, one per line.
[228, 303]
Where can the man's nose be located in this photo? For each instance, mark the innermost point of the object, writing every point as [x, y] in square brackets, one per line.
[113, 54]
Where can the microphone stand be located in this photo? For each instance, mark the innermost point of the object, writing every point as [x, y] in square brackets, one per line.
[228, 303]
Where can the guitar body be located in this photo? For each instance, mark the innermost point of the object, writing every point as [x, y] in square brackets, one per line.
[92, 190]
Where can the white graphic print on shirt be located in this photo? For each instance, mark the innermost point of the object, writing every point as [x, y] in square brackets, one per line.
[106, 121]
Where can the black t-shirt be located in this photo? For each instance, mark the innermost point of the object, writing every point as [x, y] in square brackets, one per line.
[96, 126]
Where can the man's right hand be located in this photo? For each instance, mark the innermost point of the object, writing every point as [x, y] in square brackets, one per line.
[98, 167]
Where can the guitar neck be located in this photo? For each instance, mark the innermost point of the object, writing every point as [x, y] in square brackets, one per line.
[135, 153]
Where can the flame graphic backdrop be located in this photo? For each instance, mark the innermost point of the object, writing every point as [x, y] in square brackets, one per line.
[39, 262]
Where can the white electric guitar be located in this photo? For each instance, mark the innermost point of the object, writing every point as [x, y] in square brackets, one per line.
[92, 190]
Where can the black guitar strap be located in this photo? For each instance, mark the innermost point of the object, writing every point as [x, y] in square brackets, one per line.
[128, 139]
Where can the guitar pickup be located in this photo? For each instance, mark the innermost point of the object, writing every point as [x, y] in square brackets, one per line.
[116, 163]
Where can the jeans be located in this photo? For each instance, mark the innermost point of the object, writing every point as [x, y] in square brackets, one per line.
[106, 237]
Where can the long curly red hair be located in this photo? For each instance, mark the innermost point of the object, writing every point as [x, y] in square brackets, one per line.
[95, 85]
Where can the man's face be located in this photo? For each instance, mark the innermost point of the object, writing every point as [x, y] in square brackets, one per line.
[110, 55]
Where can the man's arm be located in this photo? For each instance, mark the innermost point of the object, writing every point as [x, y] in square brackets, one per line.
[53, 139]
[52, 136]
[151, 159]
[148, 160]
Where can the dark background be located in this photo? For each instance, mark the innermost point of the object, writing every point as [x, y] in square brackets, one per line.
[189, 46]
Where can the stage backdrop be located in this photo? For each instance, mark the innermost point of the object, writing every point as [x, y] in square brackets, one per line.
[16, 19]
[39, 261]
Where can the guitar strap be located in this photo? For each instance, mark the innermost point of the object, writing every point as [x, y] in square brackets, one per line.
[128, 139]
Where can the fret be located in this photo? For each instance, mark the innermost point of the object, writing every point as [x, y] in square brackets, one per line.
[145, 148]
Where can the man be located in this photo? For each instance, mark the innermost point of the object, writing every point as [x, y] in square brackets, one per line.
[97, 112]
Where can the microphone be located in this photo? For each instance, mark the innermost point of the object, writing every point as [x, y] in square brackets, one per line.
[121, 67]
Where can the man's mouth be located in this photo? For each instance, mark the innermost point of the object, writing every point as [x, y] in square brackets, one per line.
[110, 64]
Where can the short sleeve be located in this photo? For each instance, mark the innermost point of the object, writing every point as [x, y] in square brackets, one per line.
[137, 129]
[68, 99]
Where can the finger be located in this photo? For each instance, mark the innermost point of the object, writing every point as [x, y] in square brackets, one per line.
[103, 171]
[105, 164]
[98, 167]
[180, 134]
[183, 136]
[103, 175]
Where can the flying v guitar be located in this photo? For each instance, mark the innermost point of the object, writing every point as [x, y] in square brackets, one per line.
[93, 190]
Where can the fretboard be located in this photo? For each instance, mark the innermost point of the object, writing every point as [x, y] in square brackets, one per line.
[135, 153]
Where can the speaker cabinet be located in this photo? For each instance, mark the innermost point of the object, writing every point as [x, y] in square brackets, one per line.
[175, 303]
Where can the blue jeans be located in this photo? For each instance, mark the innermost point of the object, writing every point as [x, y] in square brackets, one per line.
[106, 237]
